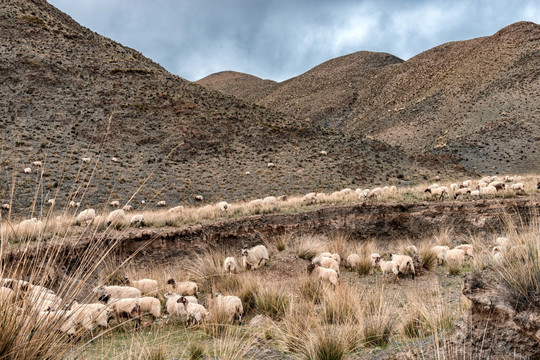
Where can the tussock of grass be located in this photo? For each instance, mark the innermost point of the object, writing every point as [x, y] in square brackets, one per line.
[308, 247]
[364, 267]
[272, 302]
[428, 258]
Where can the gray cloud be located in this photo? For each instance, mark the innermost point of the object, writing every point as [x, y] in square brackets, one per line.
[280, 39]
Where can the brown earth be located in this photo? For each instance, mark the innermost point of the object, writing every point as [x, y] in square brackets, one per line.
[473, 102]
[60, 83]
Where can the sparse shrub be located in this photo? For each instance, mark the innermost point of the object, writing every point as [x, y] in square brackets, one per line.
[363, 268]
[272, 302]
[428, 258]
[454, 268]
[308, 247]
[311, 289]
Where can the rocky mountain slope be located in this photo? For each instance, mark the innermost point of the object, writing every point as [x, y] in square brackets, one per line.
[474, 102]
[67, 93]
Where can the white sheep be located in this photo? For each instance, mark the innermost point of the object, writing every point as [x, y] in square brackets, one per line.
[454, 187]
[375, 193]
[388, 267]
[90, 316]
[375, 258]
[86, 160]
[518, 187]
[137, 219]
[498, 253]
[115, 203]
[126, 308]
[230, 265]
[440, 251]
[437, 193]
[475, 193]
[230, 305]
[87, 215]
[37, 163]
[433, 186]
[282, 198]
[176, 209]
[115, 159]
[51, 202]
[467, 248]
[352, 261]
[456, 256]
[405, 264]
[254, 257]
[184, 287]
[150, 306]
[127, 208]
[488, 190]
[466, 184]
[118, 292]
[320, 197]
[461, 192]
[175, 309]
[196, 313]
[324, 153]
[71, 204]
[499, 185]
[326, 262]
[146, 286]
[269, 200]
[199, 197]
[27, 170]
[5, 207]
[325, 275]
[223, 206]
[29, 226]
[503, 242]
[116, 217]
[271, 165]
[309, 198]
[161, 203]
[255, 203]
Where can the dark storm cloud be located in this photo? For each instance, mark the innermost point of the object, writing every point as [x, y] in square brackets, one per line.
[280, 39]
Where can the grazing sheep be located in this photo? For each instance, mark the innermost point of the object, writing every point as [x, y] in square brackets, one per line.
[352, 261]
[176, 209]
[71, 204]
[433, 186]
[27, 170]
[150, 306]
[282, 198]
[175, 308]
[518, 187]
[184, 287]
[115, 159]
[309, 198]
[5, 207]
[461, 192]
[467, 248]
[115, 203]
[85, 160]
[254, 257]
[118, 292]
[269, 200]
[116, 217]
[223, 206]
[405, 264]
[161, 203]
[127, 208]
[475, 193]
[137, 219]
[498, 253]
[271, 165]
[499, 185]
[255, 203]
[364, 194]
[230, 265]
[51, 202]
[488, 190]
[326, 262]
[440, 250]
[321, 197]
[466, 184]
[32, 225]
[196, 313]
[89, 316]
[87, 215]
[126, 308]
[375, 193]
[455, 256]
[37, 163]
[146, 286]
[325, 275]
[388, 267]
[437, 193]
[411, 249]
[325, 254]
[454, 187]
[324, 153]
[375, 258]
[199, 197]
[62, 321]
[337, 258]
[231, 305]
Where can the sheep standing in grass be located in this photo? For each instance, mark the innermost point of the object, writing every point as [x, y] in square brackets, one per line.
[388, 267]
[466, 184]
[269, 200]
[199, 197]
[146, 286]
[127, 208]
[127, 308]
[137, 219]
[326, 262]
[467, 248]
[437, 193]
[440, 251]
[352, 261]
[176, 210]
[325, 275]
[488, 190]
[271, 165]
[86, 160]
[255, 203]
[175, 309]
[150, 305]
[196, 313]
[461, 192]
[375, 258]
[254, 257]
[498, 253]
[5, 207]
[118, 292]
[37, 163]
[230, 265]
[498, 185]
[231, 305]
[503, 242]
[375, 193]
[517, 187]
[223, 206]
[184, 287]
[116, 217]
[405, 264]
[475, 193]
[27, 170]
[115, 203]
[162, 203]
[309, 198]
[456, 256]
[87, 215]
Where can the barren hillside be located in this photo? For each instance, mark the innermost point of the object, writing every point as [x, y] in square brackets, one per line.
[474, 102]
[60, 83]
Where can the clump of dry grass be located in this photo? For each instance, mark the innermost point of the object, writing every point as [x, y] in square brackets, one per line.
[272, 302]
[307, 247]
[311, 289]
[428, 257]
[364, 266]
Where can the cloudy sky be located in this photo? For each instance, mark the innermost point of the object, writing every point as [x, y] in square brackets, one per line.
[279, 39]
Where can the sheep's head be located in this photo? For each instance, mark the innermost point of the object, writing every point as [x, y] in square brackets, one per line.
[168, 295]
[104, 298]
[171, 282]
[245, 252]
[310, 268]
[125, 281]
[427, 191]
